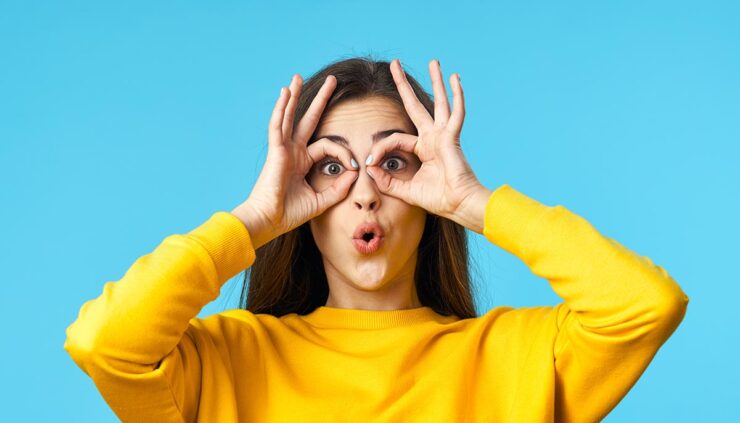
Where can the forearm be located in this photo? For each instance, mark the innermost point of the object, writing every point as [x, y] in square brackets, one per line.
[139, 319]
[605, 283]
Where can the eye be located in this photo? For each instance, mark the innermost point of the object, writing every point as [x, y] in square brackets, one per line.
[333, 163]
[396, 159]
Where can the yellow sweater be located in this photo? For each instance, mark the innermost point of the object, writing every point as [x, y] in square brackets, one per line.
[153, 360]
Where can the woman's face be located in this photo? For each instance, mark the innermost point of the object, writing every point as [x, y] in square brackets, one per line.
[384, 278]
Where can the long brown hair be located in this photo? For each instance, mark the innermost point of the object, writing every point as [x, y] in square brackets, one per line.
[288, 274]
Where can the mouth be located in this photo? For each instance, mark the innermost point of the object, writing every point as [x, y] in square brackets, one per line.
[364, 246]
[368, 237]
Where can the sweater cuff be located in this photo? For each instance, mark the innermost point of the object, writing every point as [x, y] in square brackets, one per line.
[228, 243]
[509, 219]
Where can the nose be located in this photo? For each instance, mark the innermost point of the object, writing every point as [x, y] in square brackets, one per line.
[364, 192]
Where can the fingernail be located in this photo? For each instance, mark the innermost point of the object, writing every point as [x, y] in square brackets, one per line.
[459, 80]
[354, 163]
[369, 159]
[368, 173]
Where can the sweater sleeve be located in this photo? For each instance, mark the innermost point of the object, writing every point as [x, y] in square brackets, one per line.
[619, 307]
[135, 340]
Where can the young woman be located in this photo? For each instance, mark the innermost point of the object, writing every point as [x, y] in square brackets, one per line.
[358, 301]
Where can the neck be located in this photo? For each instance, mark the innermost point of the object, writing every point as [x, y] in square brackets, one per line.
[369, 303]
[373, 290]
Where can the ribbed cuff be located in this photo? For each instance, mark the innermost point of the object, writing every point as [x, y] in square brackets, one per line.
[509, 219]
[228, 243]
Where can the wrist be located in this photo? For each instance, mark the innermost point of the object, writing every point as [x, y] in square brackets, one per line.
[472, 210]
[258, 227]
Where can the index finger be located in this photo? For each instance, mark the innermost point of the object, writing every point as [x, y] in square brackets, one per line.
[396, 141]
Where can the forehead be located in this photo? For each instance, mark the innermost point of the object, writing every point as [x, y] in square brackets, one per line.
[361, 118]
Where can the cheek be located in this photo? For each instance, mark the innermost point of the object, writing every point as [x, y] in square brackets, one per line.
[325, 235]
[417, 227]
[410, 222]
[319, 181]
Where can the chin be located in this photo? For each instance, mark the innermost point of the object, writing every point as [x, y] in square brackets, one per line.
[370, 279]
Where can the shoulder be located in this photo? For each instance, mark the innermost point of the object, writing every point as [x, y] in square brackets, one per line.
[233, 324]
[522, 322]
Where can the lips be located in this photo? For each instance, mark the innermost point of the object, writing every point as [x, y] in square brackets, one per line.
[368, 237]
[364, 229]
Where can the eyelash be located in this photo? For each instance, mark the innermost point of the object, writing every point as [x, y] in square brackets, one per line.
[329, 160]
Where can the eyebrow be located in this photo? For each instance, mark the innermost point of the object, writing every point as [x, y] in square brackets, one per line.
[376, 136]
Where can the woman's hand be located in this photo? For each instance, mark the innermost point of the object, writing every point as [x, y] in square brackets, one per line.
[282, 199]
[445, 183]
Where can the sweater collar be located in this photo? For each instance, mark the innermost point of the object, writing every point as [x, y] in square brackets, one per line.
[347, 318]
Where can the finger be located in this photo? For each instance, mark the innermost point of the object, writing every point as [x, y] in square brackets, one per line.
[396, 141]
[387, 184]
[441, 106]
[325, 147]
[309, 121]
[274, 128]
[454, 126]
[296, 83]
[411, 103]
[336, 192]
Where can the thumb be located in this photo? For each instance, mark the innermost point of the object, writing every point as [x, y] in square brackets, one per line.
[388, 184]
[337, 191]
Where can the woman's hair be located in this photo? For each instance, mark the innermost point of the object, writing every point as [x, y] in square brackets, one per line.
[288, 274]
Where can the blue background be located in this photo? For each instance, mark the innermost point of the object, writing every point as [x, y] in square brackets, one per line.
[124, 122]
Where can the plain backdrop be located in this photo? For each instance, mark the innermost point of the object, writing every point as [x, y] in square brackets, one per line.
[124, 122]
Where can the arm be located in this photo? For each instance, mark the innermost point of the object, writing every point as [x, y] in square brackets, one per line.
[132, 339]
[619, 307]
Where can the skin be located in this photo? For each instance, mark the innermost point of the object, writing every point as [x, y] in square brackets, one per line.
[444, 184]
[383, 280]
